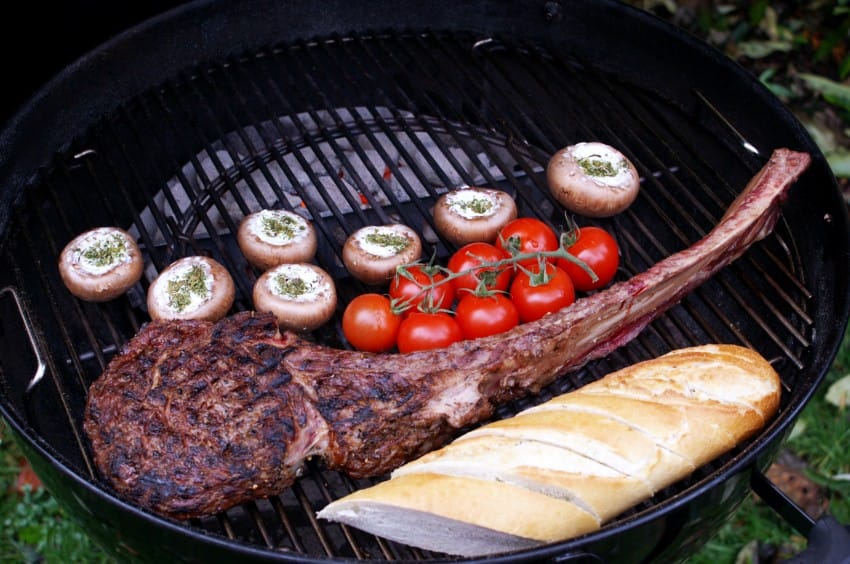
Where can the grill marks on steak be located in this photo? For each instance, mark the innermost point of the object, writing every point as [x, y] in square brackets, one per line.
[192, 418]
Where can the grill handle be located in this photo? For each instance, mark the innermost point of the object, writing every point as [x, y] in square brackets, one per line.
[29, 328]
[829, 540]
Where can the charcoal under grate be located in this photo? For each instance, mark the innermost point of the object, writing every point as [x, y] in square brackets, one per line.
[367, 130]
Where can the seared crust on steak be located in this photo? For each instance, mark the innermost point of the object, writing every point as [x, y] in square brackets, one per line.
[192, 417]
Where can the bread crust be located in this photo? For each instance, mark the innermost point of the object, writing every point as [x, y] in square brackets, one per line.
[567, 466]
[603, 439]
[671, 426]
[546, 468]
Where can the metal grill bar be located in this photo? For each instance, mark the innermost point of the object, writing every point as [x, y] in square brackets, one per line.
[354, 131]
[276, 152]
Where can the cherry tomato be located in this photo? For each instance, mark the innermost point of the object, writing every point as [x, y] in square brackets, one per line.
[370, 324]
[421, 331]
[471, 256]
[535, 295]
[481, 316]
[527, 235]
[410, 289]
[599, 250]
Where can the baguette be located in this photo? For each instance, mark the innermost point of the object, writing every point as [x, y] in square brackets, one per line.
[567, 466]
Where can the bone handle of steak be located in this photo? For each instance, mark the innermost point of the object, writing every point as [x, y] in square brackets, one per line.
[386, 409]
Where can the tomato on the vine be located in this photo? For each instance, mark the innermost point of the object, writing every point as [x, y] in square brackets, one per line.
[370, 324]
[481, 316]
[535, 294]
[469, 258]
[527, 235]
[422, 331]
[598, 249]
[419, 284]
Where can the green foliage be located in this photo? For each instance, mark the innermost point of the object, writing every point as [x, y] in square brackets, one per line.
[798, 50]
[833, 92]
[824, 442]
[835, 37]
[33, 528]
[754, 521]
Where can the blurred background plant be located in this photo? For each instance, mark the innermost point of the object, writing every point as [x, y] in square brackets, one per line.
[797, 49]
[33, 527]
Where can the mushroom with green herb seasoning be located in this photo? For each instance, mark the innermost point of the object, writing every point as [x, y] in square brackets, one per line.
[268, 238]
[195, 287]
[101, 264]
[301, 296]
[372, 253]
[592, 179]
[472, 214]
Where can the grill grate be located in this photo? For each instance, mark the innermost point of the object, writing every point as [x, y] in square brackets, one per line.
[362, 130]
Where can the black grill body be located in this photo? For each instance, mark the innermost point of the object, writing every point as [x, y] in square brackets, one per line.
[364, 114]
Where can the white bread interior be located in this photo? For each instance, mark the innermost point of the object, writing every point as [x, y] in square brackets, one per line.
[505, 516]
[563, 468]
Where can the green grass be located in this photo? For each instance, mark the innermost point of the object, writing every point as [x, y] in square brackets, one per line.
[33, 528]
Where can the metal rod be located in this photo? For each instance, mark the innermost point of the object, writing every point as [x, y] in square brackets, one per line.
[781, 503]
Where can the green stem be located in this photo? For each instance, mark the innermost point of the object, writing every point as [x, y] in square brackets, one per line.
[496, 265]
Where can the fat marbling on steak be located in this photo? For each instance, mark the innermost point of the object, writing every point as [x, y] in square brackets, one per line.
[193, 417]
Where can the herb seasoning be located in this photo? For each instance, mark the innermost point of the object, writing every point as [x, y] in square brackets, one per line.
[297, 283]
[602, 164]
[101, 253]
[597, 166]
[280, 226]
[291, 286]
[387, 240]
[471, 203]
[190, 287]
